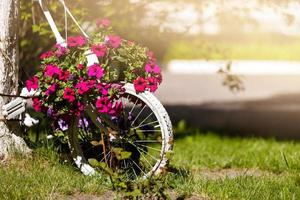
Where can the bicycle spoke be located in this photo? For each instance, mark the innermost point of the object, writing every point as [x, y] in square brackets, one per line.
[133, 106]
[145, 125]
[143, 131]
[147, 141]
[146, 118]
[150, 147]
[138, 115]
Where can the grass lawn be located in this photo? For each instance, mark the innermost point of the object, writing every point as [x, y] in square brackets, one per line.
[207, 167]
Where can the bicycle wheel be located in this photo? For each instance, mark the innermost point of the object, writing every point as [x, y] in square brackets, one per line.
[138, 142]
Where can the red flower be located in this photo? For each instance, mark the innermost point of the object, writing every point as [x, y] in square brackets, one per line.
[47, 54]
[76, 41]
[32, 83]
[37, 105]
[64, 75]
[69, 94]
[99, 50]
[152, 84]
[80, 66]
[103, 105]
[140, 84]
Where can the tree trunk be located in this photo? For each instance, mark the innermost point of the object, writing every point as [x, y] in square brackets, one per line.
[9, 17]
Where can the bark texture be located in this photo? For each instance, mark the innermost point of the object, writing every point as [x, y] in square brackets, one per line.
[9, 68]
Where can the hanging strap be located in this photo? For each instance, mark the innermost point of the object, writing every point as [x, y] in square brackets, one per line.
[58, 37]
[73, 18]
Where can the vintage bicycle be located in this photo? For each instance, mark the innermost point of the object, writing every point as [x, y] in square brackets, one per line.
[135, 143]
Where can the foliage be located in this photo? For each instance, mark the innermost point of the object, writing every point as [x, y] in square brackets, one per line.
[151, 187]
[67, 80]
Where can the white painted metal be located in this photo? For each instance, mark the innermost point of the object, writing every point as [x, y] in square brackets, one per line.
[166, 133]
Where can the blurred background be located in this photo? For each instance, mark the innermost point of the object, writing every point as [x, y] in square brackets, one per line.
[232, 65]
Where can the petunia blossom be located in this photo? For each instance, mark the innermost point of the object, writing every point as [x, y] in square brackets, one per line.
[69, 94]
[82, 87]
[64, 75]
[80, 66]
[99, 50]
[116, 108]
[60, 50]
[32, 83]
[114, 41]
[152, 68]
[37, 104]
[103, 22]
[78, 41]
[51, 70]
[152, 84]
[140, 84]
[47, 54]
[103, 105]
[63, 124]
[95, 71]
[51, 89]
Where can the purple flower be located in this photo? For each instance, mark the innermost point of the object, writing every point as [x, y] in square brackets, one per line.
[83, 123]
[63, 125]
[49, 112]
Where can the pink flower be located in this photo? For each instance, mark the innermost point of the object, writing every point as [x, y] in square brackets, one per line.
[103, 22]
[152, 68]
[151, 56]
[82, 87]
[103, 105]
[99, 50]
[152, 84]
[60, 50]
[69, 94]
[47, 54]
[130, 43]
[80, 106]
[103, 88]
[51, 70]
[78, 41]
[37, 105]
[114, 41]
[140, 84]
[51, 89]
[32, 83]
[95, 71]
[116, 109]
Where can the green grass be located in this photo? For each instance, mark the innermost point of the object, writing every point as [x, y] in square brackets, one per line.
[43, 176]
[206, 165]
[236, 168]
